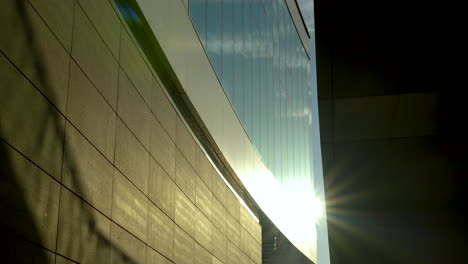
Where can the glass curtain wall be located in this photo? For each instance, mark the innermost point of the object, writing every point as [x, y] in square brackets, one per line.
[259, 58]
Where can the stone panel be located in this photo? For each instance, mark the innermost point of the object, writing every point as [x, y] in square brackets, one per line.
[86, 171]
[233, 205]
[161, 189]
[30, 253]
[29, 122]
[160, 231]
[185, 212]
[219, 245]
[203, 198]
[62, 260]
[233, 230]
[215, 260]
[203, 230]
[125, 248]
[58, 14]
[153, 257]
[163, 109]
[96, 60]
[184, 247]
[186, 143]
[131, 157]
[220, 189]
[129, 206]
[30, 199]
[106, 22]
[83, 233]
[163, 148]
[133, 111]
[233, 253]
[256, 251]
[245, 219]
[202, 256]
[134, 65]
[244, 241]
[90, 113]
[185, 176]
[33, 48]
[205, 169]
[244, 258]
[257, 231]
[218, 215]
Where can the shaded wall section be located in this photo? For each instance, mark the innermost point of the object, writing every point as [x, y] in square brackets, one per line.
[97, 166]
[392, 142]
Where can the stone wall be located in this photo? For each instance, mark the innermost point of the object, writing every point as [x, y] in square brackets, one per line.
[97, 166]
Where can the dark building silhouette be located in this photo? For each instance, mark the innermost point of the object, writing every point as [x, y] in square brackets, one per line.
[393, 141]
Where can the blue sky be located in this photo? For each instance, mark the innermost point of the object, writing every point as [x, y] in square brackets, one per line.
[307, 7]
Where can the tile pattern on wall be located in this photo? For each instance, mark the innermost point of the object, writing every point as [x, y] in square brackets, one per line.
[100, 166]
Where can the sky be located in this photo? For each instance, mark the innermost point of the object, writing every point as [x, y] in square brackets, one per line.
[307, 8]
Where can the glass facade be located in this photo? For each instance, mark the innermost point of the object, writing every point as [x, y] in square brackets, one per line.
[259, 58]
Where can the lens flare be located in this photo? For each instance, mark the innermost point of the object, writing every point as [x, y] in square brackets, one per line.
[317, 209]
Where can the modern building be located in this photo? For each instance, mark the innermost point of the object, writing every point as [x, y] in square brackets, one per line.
[168, 131]
[394, 140]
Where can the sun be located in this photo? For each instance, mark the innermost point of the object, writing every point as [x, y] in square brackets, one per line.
[316, 209]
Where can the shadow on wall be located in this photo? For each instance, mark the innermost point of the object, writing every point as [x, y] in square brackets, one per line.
[39, 215]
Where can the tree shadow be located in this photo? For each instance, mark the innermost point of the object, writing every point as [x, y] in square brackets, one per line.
[32, 138]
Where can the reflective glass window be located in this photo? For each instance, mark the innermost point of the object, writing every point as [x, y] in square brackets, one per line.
[248, 66]
[300, 115]
[238, 89]
[263, 82]
[259, 57]
[283, 91]
[297, 99]
[288, 92]
[291, 128]
[198, 14]
[271, 97]
[256, 71]
[214, 34]
[228, 48]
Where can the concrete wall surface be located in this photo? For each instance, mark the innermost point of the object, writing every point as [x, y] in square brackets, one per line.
[96, 164]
